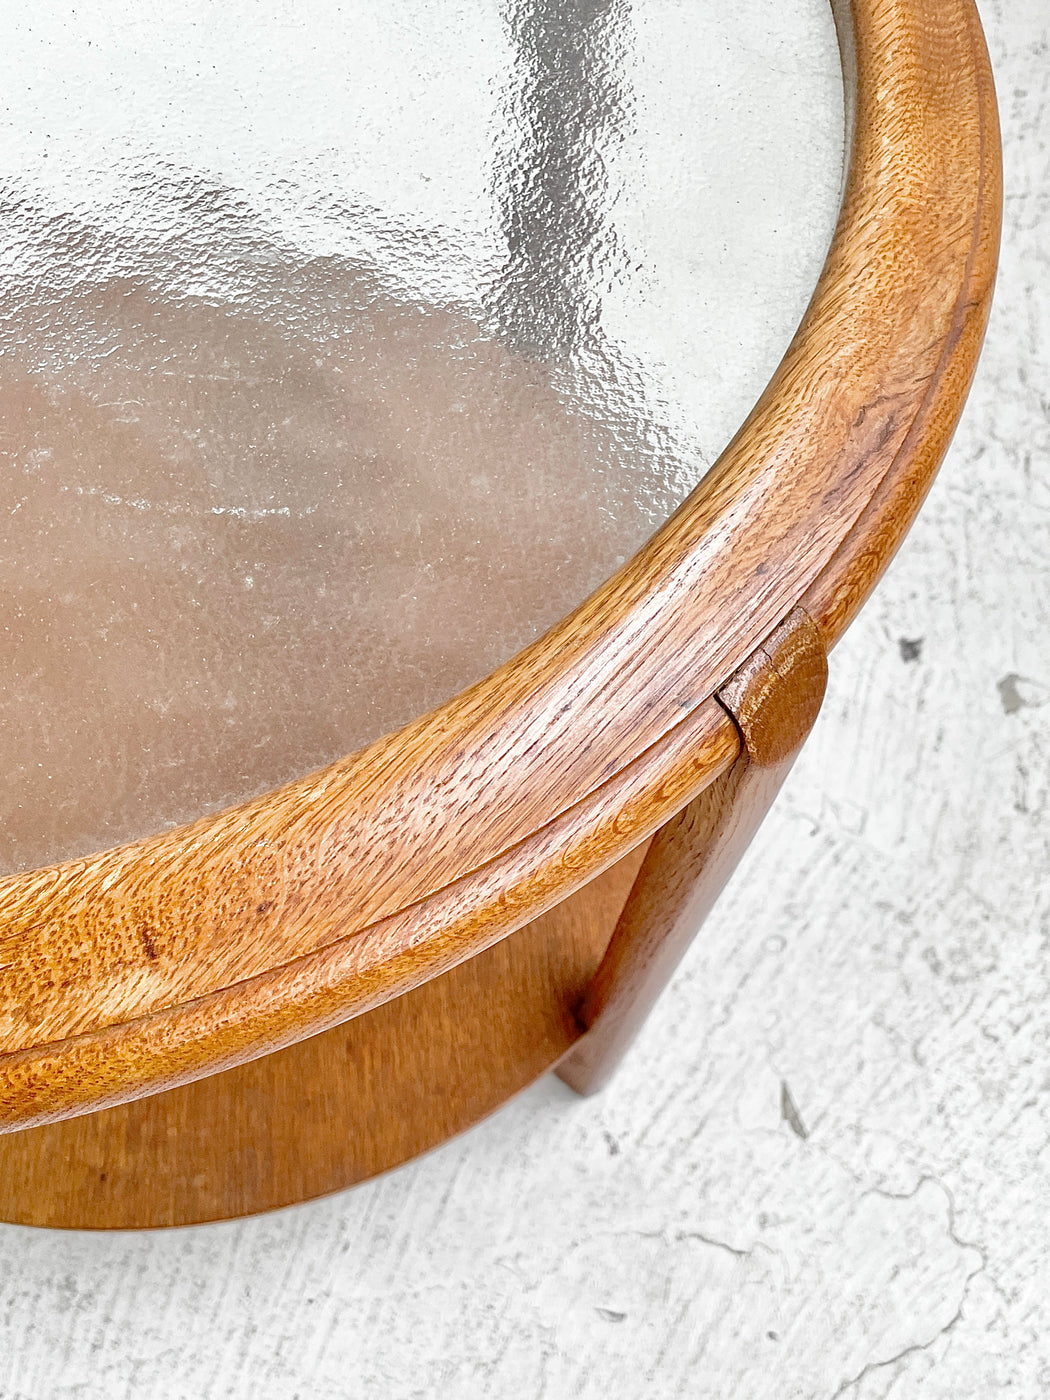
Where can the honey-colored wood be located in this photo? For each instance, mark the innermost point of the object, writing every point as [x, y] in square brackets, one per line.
[57, 1079]
[158, 963]
[774, 699]
[332, 1110]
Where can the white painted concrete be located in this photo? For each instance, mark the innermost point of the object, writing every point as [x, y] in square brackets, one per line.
[886, 953]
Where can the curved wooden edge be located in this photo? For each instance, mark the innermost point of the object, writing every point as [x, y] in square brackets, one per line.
[189, 1040]
[835, 597]
[333, 1110]
[149, 961]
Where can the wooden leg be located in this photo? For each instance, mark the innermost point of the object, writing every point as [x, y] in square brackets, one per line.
[688, 862]
[774, 699]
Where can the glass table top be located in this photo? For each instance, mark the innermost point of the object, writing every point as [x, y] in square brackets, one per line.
[344, 348]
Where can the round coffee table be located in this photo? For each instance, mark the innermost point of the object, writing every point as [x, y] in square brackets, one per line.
[294, 992]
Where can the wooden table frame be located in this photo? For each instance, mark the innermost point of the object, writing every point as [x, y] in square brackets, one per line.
[291, 995]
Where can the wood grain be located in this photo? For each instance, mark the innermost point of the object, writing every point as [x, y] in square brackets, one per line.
[190, 1040]
[774, 699]
[332, 1110]
[159, 962]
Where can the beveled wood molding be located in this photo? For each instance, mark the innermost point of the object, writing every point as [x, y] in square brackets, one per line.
[167, 959]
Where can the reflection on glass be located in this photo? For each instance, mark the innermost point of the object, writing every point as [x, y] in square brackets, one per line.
[565, 110]
[346, 348]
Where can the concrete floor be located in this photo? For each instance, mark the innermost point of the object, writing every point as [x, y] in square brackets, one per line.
[876, 1228]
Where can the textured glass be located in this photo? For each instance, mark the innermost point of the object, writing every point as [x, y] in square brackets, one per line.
[346, 347]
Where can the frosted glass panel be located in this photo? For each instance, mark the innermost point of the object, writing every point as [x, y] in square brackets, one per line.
[346, 347]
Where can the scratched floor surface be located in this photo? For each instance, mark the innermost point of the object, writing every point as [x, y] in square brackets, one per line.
[824, 1172]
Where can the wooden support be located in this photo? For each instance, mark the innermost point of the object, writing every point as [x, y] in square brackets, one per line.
[774, 699]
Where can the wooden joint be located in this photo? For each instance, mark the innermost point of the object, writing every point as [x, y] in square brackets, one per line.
[773, 700]
[774, 697]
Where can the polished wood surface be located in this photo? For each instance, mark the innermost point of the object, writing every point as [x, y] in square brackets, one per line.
[161, 962]
[58, 1079]
[332, 1110]
[774, 699]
